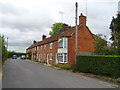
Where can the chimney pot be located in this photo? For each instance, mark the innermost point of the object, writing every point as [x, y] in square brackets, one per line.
[34, 42]
[65, 27]
[82, 20]
[43, 37]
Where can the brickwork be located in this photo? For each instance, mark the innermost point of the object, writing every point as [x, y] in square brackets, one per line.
[85, 44]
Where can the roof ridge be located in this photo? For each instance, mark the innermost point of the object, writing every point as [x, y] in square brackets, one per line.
[66, 33]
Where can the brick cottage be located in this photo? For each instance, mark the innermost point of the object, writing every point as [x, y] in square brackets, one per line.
[60, 48]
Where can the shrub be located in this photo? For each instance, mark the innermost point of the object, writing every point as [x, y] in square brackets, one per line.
[56, 65]
[35, 60]
[106, 65]
[66, 67]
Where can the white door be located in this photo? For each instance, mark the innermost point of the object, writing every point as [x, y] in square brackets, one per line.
[48, 59]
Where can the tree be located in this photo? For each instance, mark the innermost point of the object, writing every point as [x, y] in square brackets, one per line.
[3, 49]
[0, 49]
[115, 32]
[58, 28]
[29, 54]
[11, 53]
[100, 44]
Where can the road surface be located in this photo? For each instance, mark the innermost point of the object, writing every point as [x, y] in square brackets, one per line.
[27, 74]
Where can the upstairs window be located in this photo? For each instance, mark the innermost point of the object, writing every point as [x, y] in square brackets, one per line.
[40, 47]
[37, 48]
[62, 43]
[51, 45]
[44, 46]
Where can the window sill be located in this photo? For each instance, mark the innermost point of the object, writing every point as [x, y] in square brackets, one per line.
[62, 48]
[63, 62]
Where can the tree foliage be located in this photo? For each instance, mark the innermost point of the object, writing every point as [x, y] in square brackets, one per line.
[58, 28]
[29, 55]
[3, 48]
[11, 53]
[115, 32]
[100, 44]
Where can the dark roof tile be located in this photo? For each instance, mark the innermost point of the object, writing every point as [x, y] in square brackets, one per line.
[66, 33]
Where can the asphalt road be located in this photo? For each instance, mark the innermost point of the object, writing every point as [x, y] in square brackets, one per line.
[27, 74]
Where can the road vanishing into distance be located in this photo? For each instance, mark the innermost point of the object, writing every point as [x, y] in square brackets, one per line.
[27, 74]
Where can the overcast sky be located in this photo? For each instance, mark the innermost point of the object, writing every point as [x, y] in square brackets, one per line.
[23, 21]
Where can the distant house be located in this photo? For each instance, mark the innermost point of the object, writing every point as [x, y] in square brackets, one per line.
[60, 48]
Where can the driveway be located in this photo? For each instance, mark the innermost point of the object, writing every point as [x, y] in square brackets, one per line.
[27, 74]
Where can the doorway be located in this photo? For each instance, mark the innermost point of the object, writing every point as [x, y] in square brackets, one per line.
[48, 59]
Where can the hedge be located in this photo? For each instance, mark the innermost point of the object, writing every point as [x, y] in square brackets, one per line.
[99, 64]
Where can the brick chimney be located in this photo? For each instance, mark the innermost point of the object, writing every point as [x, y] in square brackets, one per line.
[65, 27]
[43, 37]
[34, 42]
[82, 20]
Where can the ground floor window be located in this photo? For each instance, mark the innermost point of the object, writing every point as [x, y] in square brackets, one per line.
[44, 56]
[51, 56]
[62, 57]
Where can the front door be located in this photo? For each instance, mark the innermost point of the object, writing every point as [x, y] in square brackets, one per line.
[56, 58]
[48, 59]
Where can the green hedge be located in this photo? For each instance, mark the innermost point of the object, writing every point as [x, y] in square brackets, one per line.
[99, 64]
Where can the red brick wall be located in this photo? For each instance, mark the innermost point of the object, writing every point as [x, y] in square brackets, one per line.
[85, 43]
[86, 40]
[48, 51]
[71, 49]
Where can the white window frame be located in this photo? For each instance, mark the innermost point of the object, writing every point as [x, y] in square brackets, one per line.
[51, 56]
[40, 56]
[44, 56]
[63, 43]
[44, 46]
[40, 47]
[51, 45]
[61, 39]
[63, 55]
[35, 48]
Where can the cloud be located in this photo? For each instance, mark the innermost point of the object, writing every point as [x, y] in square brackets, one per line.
[7, 8]
[24, 22]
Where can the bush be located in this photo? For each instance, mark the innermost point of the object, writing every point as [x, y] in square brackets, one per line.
[56, 65]
[66, 67]
[35, 60]
[106, 65]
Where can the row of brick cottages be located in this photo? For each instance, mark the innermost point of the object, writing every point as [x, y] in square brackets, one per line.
[60, 48]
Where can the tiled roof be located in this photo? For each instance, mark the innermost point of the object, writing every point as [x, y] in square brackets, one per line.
[66, 33]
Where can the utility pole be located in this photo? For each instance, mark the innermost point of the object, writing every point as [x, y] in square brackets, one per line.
[76, 31]
[86, 10]
[61, 16]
